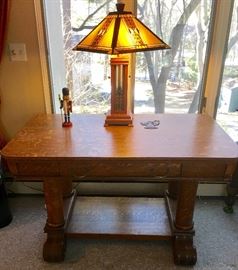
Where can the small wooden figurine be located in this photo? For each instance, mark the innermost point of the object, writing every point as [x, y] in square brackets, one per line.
[66, 105]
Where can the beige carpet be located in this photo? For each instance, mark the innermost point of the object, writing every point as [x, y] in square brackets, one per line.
[21, 243]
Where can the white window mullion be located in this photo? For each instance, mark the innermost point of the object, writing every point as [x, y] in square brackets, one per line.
[43, 56]
[55, 50]
[216, 58]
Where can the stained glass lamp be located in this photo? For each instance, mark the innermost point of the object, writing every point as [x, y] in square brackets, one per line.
[118, 34]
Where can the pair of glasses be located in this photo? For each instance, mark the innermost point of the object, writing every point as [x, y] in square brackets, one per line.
[150, 124]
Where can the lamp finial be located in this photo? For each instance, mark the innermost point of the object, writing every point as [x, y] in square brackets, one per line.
[120, 7]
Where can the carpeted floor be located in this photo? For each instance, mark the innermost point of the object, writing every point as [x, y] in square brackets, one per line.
[21, 243]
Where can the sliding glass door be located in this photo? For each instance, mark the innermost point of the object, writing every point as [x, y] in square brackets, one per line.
[227, 110]
[170, 81]
[165, 81]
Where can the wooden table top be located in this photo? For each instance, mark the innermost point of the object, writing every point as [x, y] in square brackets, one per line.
[179, 136]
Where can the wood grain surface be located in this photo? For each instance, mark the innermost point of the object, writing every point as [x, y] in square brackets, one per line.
[185, 149]
[119, 217]
[187, 136]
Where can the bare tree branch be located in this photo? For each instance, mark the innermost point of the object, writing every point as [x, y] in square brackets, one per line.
[177, 31]
[232, 42]
[233, 39]
[83, 25]
[159, 85]
[141, 9]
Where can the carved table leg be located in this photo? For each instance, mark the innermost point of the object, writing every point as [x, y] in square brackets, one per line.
[67, 187]
[173, 189]
[184, 251]
[54, 247]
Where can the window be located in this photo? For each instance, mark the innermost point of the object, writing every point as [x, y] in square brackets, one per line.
[87, 75]
[165, 81]
[169, 81]
[227, 111]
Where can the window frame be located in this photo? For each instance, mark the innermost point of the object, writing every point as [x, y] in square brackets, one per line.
[217, 56]
[212, 73]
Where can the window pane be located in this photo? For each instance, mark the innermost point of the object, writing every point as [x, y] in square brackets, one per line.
[169, 81]
[227, 113]
[87, 74]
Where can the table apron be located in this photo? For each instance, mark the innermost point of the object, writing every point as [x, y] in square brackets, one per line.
[123, 170]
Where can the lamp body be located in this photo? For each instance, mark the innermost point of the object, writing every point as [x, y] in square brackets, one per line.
[120, 33]
[120, 114]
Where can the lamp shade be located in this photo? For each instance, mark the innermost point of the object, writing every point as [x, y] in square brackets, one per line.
[120, 32]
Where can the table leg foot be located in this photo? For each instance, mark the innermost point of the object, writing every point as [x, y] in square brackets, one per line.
[54, 247]
[184, 251]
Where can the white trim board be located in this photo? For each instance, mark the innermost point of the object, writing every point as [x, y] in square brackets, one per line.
[115, 188]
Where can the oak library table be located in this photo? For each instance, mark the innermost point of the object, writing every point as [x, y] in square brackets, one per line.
[184, 150]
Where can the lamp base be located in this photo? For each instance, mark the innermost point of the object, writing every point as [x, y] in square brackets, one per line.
[118, 120]
[67, 124]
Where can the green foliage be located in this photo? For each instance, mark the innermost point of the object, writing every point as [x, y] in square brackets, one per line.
[190, 72]
[231, 72]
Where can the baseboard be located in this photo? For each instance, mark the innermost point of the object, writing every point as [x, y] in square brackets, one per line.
[116, 188]
[212, 190]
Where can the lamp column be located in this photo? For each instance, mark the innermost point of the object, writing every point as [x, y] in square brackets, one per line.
[120, 114]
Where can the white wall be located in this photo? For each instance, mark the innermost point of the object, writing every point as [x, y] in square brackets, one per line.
[21, 87]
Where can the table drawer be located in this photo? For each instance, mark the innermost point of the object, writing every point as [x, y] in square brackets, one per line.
[34, 168]
[121, 168]
[108, 168]
[208, 170]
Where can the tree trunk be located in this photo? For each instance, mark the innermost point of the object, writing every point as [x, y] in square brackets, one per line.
[200, 46]
[194, 105]
[158, 83]
[161, 87]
